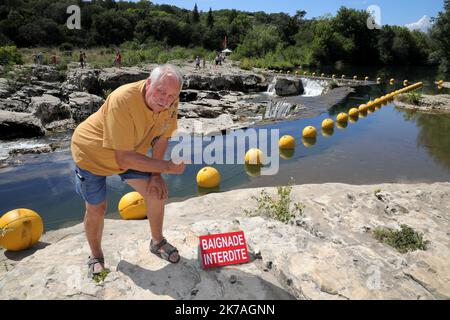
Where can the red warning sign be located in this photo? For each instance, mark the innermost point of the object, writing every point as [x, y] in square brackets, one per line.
[223, 249]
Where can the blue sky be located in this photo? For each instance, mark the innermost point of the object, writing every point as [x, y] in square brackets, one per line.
[398, 12]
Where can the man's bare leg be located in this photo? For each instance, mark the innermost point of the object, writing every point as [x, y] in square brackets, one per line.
[155, 209]
[93, 225]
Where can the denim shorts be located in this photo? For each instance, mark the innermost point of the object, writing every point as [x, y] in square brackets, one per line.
[92, 188]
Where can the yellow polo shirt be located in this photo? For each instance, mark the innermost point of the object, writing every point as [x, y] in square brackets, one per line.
[123, 122]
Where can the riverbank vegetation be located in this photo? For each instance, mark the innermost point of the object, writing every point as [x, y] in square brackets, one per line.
[158, 33]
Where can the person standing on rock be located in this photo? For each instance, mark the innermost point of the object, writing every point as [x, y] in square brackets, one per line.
[115, 140]
[82, 59]
[197, 62]
[118, 60]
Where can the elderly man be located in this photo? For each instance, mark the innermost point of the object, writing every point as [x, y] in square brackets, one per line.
[115, 140]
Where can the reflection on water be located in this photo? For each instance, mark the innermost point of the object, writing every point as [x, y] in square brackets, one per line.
[434, 135]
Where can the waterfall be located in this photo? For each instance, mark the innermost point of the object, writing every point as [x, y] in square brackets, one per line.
[271, 88]
[277, 110]
[313, 88]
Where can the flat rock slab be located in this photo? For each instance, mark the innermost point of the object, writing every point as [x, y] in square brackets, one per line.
[428, 103]
[329, 253]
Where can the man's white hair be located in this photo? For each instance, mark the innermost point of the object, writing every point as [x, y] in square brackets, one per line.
[166, 70]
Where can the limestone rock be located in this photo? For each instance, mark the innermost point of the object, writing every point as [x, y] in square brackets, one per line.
[5, 89]
[327, 256]
[19, 125]
[46, 73]
[48, 108]
[83, 104]
[112, 78]
[288, 87]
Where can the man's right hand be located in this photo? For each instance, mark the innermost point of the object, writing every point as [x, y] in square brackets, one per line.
[176, 168]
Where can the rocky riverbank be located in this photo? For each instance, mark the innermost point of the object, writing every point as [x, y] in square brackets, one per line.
[327, 253]
[426, 103]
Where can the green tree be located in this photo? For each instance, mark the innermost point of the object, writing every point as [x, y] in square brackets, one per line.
[195, 15]
[440, 34]
[210, 19]
[259, 41]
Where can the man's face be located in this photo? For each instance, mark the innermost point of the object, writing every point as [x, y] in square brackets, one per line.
[162, 94]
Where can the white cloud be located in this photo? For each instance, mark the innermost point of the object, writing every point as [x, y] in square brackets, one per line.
[422, 25]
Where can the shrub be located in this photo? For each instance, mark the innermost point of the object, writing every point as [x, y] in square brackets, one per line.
[66, 46]
[10, 55]
[410, 98]
[281, 209]
[404, 240]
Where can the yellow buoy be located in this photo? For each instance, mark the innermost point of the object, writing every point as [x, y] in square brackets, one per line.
[309, 132]
[440, 87]
[392, 81]
[327, 124]
[309, 142]
[254, 157]
[363, 108]
[327, 132]
[289, 71]
[313, 74]
[440, 82]
[378, 80]
[343, 125]
[355, 77]
[343, 76]
[342, 117]
[322, 75]
[287, 153]
[353, 112]
[366, 78]
[208, 177]
[20, 229]
[305, 73]
[287, 142]
[405, 83]
[296, 72]
[132, 206]
[333, 76]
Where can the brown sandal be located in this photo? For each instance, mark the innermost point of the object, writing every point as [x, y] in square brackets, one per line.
[168, 252]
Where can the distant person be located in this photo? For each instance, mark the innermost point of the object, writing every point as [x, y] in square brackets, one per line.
[82, 59]
[40, 58]
[35, 59]
[54, 59]
[197, 62]
[118, 60]
[217, 60]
